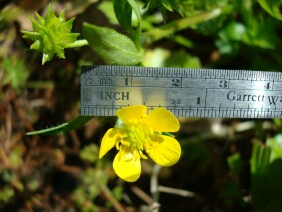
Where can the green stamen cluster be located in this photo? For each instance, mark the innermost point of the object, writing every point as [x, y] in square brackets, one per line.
[135, 136]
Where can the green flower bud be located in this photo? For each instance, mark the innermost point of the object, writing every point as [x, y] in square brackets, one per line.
[51, 35]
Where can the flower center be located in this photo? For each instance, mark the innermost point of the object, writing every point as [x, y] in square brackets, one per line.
[136, 133]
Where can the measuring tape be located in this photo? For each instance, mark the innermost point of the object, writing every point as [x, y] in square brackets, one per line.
[186, 92]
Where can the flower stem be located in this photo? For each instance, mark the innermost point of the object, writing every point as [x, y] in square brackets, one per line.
[164, 31]
[111, 198]
[77, 43]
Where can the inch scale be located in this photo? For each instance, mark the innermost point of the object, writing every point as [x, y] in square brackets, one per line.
[209, 93]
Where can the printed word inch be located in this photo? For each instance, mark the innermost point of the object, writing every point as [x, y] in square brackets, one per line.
[114, 95]
[206, 93]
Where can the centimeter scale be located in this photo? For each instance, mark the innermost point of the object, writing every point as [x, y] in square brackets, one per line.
[211, 93]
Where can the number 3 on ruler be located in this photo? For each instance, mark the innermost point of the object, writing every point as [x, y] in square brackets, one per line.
[223, 84]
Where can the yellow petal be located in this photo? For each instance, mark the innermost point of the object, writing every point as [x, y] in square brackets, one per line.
[131, 112]
[108, 142]
[163, 120]
[164, 150]
[127, 166]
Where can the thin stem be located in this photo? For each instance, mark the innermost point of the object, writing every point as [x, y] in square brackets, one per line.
[77, 43]
[138, 36]
[142, 195]
[172, 27]
[111, 198]
[176, 191]
[154, 182]
[40, 84]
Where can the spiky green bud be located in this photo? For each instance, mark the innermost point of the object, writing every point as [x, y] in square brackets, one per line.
[51, 35]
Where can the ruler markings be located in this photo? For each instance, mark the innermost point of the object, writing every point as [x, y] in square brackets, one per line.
[186, 92]
[181, 108]
[113, 74]
[254, 76]
[191, 87]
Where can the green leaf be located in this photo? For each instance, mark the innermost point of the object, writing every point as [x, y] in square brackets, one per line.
[15, 73]
[235, 162]
[167, 5]
[135, 8]
[178, 25]
[113, 47]
[266, 184]
[259, 33]
[262, 34]
[182, 60]
[173, 5]
[272, 7]
[164, 5]
[156, 57]
[260, 159]
[106, 7]
[65, 127]
[90, 153]
[137, 12]
[275, 144]
[123, 11]
[6, 194]
[231, 194]
[229, 37]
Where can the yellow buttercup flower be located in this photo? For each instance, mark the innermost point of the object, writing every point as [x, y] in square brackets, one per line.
[138, 133]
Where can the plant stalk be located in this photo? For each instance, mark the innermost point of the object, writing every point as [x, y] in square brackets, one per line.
[178, 25]
[77, 43]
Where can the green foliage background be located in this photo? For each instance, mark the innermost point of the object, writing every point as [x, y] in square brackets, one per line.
[226, 165]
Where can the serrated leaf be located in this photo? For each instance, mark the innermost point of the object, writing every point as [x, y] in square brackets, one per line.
[272, 7]
[113, 47]
[123, 12]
